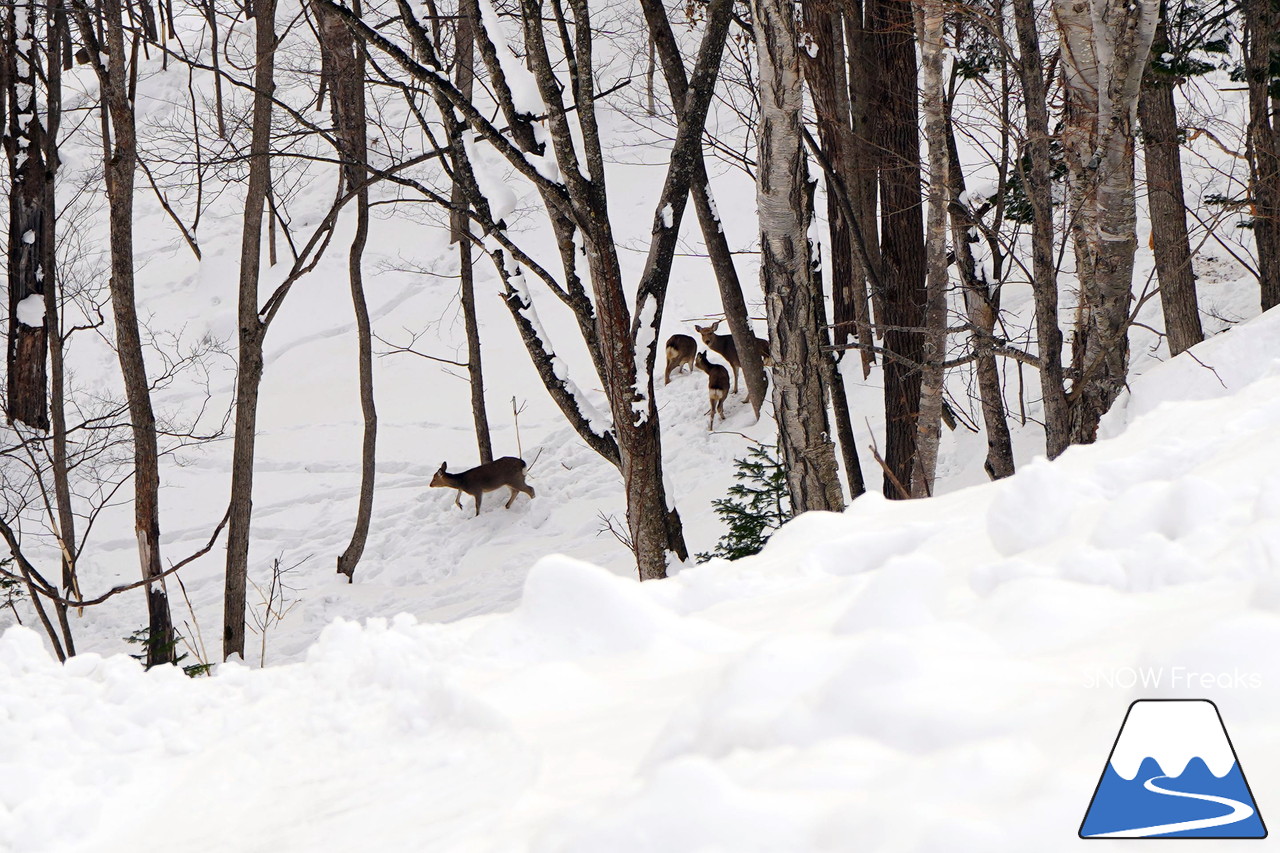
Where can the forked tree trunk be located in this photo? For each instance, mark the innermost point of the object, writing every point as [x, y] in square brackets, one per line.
[783, 202]
[1105, 48]
[1261, 21]
[1044, 274]
[252, 332]
[1171, 244]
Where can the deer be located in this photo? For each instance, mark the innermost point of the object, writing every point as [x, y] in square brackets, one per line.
[680, 352]
[508, 471]
[717, 386]
[723, 346]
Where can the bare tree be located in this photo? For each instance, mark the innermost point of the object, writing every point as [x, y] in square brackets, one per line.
[1036, 167]
[110, 63]
[343, 61]
[252, 331]
[1162, 146]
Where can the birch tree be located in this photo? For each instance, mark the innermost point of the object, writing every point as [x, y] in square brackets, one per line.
[1105, 45]
[784, 207]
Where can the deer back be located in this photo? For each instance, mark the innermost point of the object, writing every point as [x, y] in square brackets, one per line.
[717, 375]
[507, 471]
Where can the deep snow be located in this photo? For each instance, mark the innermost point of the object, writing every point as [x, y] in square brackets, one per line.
[936, 676]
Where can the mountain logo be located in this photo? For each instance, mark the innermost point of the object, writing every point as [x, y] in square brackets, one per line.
[1172, 773]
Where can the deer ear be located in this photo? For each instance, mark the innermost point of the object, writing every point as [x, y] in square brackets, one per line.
[443, 466]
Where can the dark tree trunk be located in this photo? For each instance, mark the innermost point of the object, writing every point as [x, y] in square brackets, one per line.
[252, 332]
[28, 387]
[344, 65]
[464, 77]
[1044, 276]
[862, 185]
[1172, 247]
[120, 167]
[902, 253]
[1260, 25]
[784, 203]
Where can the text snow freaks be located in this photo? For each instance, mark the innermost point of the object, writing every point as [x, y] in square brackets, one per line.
[1170, 677]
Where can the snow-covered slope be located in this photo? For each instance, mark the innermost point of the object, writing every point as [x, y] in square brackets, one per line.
[943, 675]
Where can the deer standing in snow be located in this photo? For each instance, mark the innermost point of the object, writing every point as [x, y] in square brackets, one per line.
[717, 386]
[723, 346]
[508, 471]
[681, 350]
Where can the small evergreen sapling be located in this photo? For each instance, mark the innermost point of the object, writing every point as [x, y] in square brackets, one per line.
[756, 505]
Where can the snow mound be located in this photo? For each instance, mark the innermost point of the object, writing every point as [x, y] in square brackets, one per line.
[933, 675]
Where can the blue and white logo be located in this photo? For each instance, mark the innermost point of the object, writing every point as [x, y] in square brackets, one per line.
[1173, 773]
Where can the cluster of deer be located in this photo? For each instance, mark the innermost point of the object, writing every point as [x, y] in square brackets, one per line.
[682, 351]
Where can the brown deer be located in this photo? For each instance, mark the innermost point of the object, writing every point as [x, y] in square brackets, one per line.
[717, 386]
[508, 471]
[680, 352]
[724, 346]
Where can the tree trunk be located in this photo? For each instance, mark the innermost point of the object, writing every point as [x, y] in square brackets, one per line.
[344, 64]
[464, 77]
[982, 308]
[28, 387]
[1102, 76]
[252, 332]
[1260, 26]
[929, 427]
[1172, 246]
[113, 80]
[902, 252]
[862, 182]
[783, 202]
[1044, 275]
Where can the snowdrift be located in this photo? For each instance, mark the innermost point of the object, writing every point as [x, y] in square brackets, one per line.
[945, 675]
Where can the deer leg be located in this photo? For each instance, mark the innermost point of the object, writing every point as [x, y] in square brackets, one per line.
[479, 495]
[512, 499]
[457, 499]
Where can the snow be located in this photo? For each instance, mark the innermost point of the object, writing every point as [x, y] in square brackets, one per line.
[908, 676]
[524, 88]
[1172, 733]
[30, 311]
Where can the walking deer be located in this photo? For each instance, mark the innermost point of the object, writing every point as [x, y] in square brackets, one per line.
[717, 386]
[680, 352]
[508, 471]
[724, 346]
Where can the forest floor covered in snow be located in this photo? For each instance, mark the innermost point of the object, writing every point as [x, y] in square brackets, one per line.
[932, 675]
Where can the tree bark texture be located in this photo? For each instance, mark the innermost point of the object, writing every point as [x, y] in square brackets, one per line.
[1105, 48]
[902, 252]
[786, 273]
